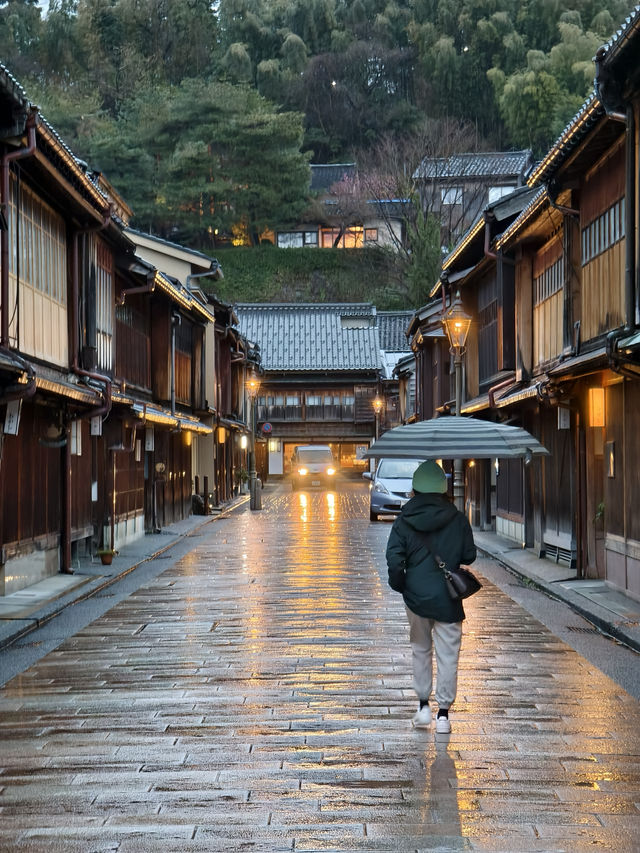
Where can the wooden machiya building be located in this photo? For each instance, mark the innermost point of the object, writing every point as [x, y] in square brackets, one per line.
[101, 363]
[321, 367]
[555, 307]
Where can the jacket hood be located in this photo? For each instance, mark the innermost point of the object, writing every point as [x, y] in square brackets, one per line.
[428, 512]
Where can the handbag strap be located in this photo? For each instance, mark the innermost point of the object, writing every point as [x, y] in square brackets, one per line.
[426, 542]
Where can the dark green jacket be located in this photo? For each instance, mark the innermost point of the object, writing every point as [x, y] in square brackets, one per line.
[413, 571]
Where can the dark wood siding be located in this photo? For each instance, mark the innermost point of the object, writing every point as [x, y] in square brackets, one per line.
[31, 480]
[509, 485]
[133, 345]
[184, 359]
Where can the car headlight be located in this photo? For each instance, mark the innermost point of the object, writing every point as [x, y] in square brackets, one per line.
[331, 471]
[380, 488]
[302, 471]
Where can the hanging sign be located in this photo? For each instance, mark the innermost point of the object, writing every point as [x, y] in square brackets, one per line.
[12, 417]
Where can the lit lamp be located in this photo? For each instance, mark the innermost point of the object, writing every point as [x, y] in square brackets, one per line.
[377, 408]
[457, 325]
[255, 496]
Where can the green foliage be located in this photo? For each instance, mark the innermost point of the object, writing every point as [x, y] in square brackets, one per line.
[269, 274]
[199, 158]
[169, 98]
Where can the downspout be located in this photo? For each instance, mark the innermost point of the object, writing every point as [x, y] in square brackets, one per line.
[17, 391]
[487, 240]
[8, 158]
[214, 272]
[149, 287]
[630, 223]
[561, 208]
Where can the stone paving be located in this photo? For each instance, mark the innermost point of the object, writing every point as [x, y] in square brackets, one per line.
[256, 696]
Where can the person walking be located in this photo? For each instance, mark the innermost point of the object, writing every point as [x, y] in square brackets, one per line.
[430, 524]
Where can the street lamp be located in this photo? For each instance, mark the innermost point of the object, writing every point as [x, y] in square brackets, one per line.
[377, 408]
[457, 324]
[255, 496]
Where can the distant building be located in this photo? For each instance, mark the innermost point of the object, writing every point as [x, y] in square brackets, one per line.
[342, 217]
[323, 366]
[457, 188]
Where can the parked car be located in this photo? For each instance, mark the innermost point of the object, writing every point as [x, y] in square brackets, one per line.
[391, 486]
[313, 466]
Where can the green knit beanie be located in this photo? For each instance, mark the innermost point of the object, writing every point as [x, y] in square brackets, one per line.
[429, 477]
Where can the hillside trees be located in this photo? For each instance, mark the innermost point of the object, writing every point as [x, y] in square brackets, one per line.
[204, 159]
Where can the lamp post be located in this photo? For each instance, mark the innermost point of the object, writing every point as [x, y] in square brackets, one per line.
[255, 496]
[457, 324]
[377, 408]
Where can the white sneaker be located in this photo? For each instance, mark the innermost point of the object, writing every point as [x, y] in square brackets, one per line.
[443, 726]
[422, 718]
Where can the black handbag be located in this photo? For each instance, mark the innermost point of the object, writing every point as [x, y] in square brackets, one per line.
[460, 582]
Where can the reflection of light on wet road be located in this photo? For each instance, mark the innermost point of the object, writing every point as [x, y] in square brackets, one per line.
[304, 501]
[331, 506]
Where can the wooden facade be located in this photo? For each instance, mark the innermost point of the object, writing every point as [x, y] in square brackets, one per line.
[572, 378]
[102, 364]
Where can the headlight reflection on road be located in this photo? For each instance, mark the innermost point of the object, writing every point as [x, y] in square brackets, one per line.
[304, 505]
[331, 506]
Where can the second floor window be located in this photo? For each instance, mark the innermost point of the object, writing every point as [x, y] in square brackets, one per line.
[550, 281]
[103, 261]
[487, 330]
[317, 406]
[37, 237]
[451, 195]
[603, 232]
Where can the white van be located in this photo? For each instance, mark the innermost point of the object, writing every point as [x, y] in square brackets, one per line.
[313, 466]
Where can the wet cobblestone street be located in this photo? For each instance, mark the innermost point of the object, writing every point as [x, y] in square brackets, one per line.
[256, 696]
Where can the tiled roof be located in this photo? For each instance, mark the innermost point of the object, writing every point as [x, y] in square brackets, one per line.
[392, 327]
[589, 115]
[11, 90]
[324, 176]
[312, 337]
[488, 164]
[618, 42]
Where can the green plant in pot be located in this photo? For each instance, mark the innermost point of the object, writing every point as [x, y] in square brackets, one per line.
[106, 555]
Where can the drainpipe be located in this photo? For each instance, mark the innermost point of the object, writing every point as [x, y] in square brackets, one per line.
[630, 223]
[4, 235]
[18, 390]
[487, 240]
[149, 287]
[498, 387]
[214, 272]
[561, 208]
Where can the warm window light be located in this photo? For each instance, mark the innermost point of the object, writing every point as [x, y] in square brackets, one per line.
[457, 324]
[596, 407]
[243, 442]
[222, 435]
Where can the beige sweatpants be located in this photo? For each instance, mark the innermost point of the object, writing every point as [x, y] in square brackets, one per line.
[424, 634]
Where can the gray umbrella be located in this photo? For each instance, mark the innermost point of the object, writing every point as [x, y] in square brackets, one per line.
[456, 438]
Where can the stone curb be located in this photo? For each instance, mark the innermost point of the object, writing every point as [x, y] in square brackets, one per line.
[600, 617]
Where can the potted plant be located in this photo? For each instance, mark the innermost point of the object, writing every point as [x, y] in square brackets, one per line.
[242, 476]
[106, 555]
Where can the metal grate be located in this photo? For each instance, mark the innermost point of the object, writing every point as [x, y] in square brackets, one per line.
[579, 629]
